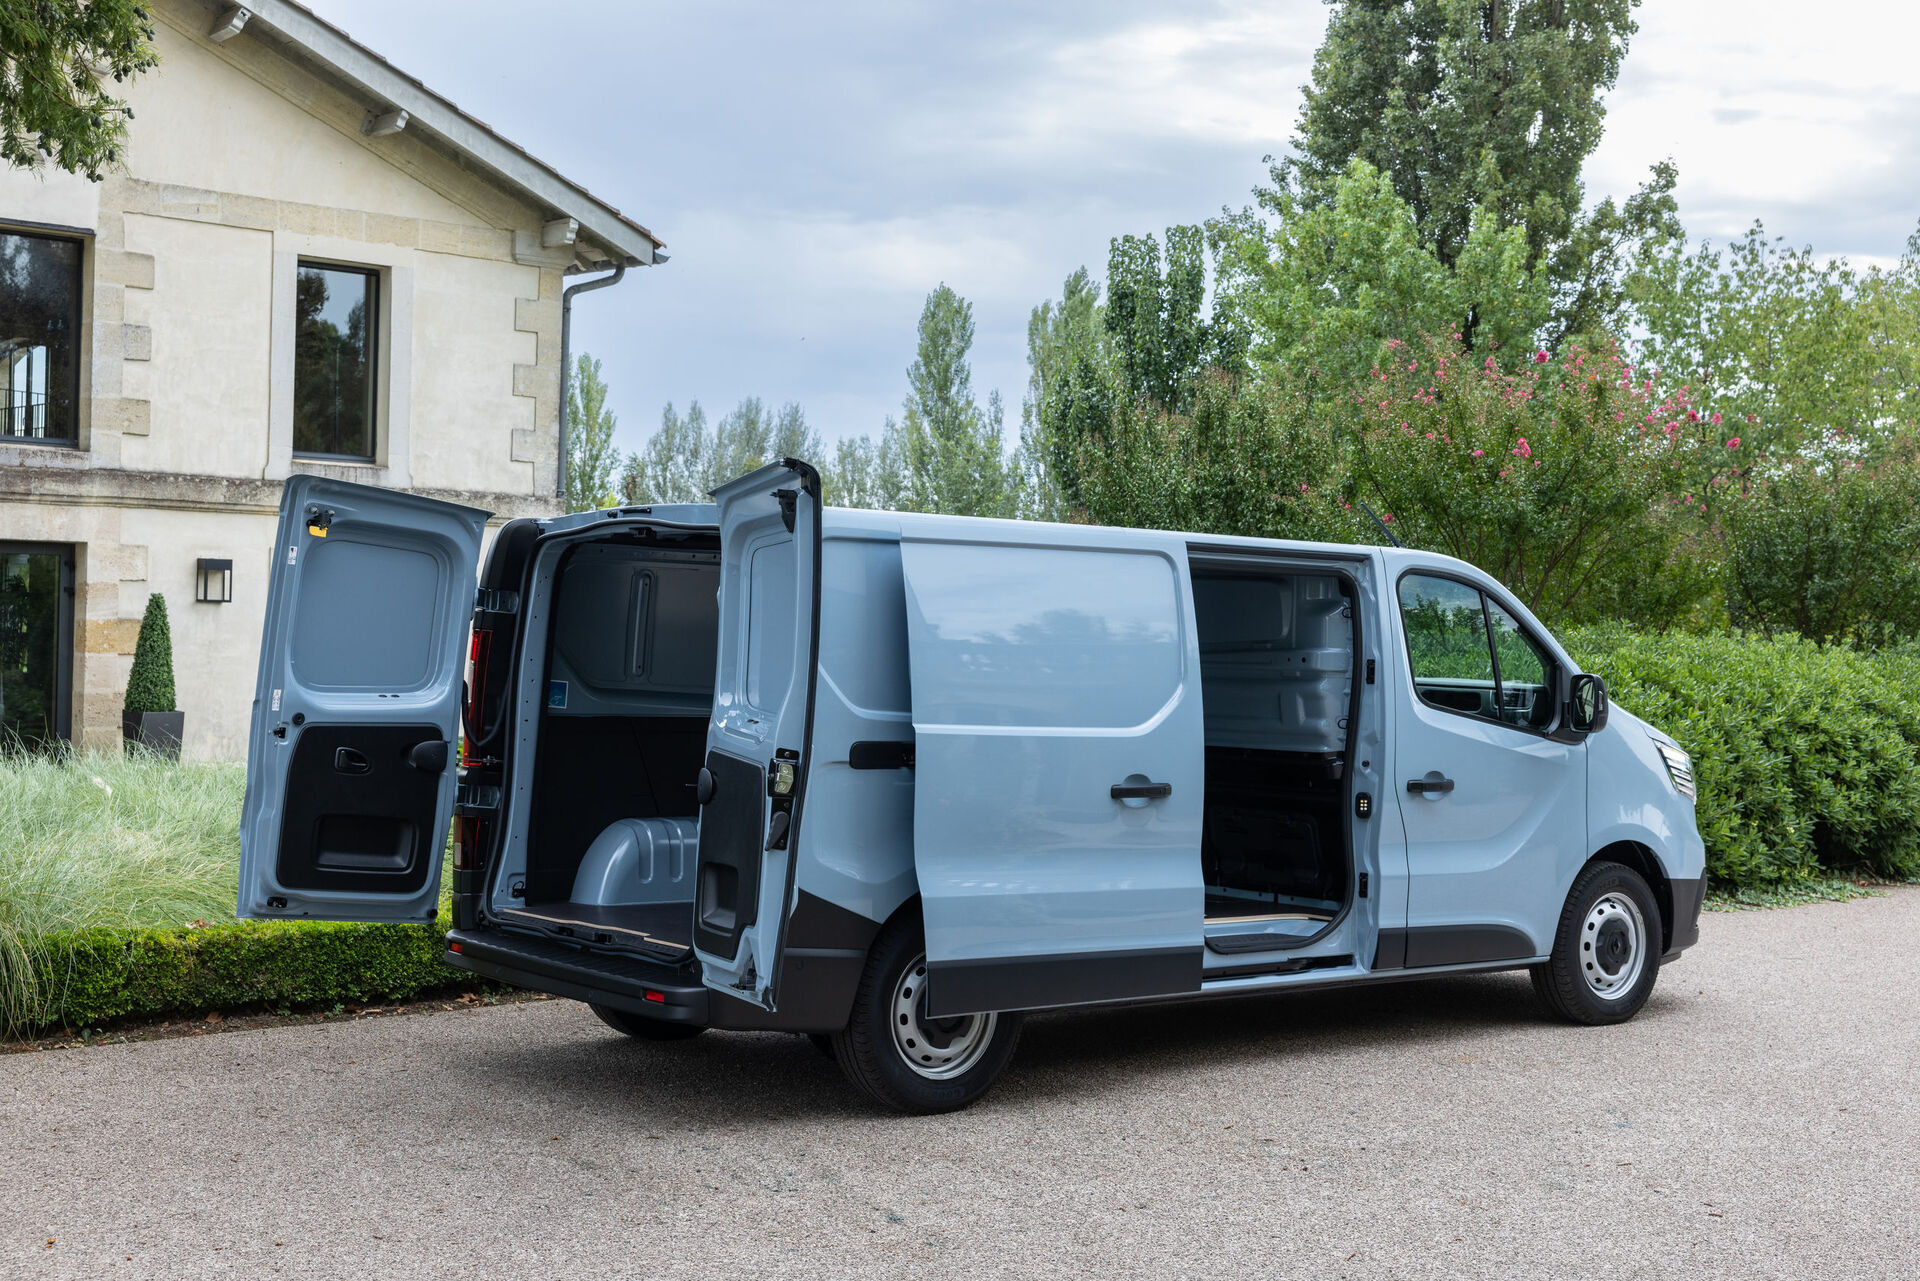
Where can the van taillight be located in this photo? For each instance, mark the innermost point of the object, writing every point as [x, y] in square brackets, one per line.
[468, 836]
[478, 650]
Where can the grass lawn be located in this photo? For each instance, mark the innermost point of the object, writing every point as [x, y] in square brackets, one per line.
[110, 841]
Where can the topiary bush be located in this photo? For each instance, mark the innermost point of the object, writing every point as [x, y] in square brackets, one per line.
[150, 682]
[1807, 756]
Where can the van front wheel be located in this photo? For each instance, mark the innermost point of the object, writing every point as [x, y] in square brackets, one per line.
[900, 1055]
[643, 1028]
[1606, 953]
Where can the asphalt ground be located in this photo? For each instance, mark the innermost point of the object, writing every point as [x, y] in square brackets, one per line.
[1760, 1118]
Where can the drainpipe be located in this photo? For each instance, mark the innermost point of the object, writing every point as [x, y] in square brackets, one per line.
[566, 357]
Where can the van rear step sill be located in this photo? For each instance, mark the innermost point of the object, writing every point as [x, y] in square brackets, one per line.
[564, 969]
[664, 930]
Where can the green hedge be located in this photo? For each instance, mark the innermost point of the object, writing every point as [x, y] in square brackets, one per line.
[1807, 756]
[84, 978]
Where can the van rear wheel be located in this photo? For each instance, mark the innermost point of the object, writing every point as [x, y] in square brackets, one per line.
[643, 1028]
[900, 1055]
[1606, 953]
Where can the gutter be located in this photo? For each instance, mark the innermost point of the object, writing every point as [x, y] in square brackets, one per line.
[566, 360]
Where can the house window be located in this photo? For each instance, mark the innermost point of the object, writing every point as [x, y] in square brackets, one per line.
[337, 311]
[39, 338]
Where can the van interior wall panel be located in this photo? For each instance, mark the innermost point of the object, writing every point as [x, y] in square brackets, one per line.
[593, 770]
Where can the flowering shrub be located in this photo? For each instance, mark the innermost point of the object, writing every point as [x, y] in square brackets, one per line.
[1570, 479]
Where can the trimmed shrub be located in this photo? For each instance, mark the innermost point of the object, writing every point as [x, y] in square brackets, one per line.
[150, 681]
[87, 977]
[1807, 756]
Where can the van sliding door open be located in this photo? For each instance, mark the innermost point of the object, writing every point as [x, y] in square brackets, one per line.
[1058, 783]
[350, 765]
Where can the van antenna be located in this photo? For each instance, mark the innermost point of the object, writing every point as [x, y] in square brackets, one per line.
[1383, 526]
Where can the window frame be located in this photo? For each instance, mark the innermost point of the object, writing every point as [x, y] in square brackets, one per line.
[376, 298]
[1556, 729]
[78, 239]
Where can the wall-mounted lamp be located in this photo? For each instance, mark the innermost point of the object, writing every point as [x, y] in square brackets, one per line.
[213, 581]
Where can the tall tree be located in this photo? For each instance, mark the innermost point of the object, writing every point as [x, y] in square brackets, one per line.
[869, 473]
[1471, 104]
[56, 57]
[591, 458]
[686, 458]
[953, 447]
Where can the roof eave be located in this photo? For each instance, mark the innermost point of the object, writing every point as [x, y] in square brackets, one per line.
[435, 117]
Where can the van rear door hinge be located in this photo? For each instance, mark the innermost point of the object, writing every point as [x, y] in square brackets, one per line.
[489, 600]
[789, 500]
[476, 796]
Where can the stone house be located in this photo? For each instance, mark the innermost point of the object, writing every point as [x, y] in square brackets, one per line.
[310, 262]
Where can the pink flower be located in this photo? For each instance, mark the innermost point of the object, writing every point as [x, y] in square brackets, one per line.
[1412, 365]
[1429, 435]
[1715, 420]
[1539, 357]
[1303, 489]
[1523, 449]
[1388, 518]
[1489, 362]
[1734, 443]
[1479, 453]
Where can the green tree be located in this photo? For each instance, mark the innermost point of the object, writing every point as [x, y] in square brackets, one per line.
[869, 473]
[687, 458]
[56, 57]
[150, 679]
[591, 458]
[1161, 330]
[1245, 457]
[1827, 544]
[1327, 284]
[1786, 347]
[1481, 105]
[954, 455]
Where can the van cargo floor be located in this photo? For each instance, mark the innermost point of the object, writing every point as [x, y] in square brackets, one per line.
[664, 929]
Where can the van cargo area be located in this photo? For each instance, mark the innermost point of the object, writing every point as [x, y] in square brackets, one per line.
[613, 692]
[1276, 679]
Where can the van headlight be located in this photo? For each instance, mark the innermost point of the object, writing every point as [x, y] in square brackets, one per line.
[1679, 768]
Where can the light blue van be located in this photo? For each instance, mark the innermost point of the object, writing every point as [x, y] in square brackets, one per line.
[891, 780]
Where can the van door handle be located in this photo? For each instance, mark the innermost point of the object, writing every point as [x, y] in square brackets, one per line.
[348, 761]
[1429, 786]
[1140, 791]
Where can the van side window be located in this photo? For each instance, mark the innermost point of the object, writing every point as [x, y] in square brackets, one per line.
[1468, 654]
[1524, 670]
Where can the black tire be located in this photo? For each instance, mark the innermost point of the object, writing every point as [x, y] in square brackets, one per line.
[1589, 978]
[643, 1028]
[874, 1059]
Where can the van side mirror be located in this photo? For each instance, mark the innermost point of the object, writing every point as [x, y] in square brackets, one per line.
[1587, 703]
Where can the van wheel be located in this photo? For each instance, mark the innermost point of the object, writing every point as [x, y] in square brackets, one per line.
[1606, 953]
[901, 1057]
[644, 1028]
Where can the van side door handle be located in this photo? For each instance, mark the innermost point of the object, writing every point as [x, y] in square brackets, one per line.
[1429, 786]
[1140, 791]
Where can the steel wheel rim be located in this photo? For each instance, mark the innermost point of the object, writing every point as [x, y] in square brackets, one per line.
[1613, 946]
[937, 1049]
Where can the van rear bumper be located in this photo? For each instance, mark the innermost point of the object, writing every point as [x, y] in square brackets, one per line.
[622, 982]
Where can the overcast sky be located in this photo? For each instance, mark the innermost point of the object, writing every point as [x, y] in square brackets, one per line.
[816, 169]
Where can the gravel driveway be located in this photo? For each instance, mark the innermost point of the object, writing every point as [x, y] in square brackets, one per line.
[1761, 1118]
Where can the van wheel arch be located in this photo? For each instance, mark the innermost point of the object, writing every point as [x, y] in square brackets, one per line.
[1643, 860]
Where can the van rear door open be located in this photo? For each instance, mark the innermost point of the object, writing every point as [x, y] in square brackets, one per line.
[752, 786]
[350, 764]
[1059, 762]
